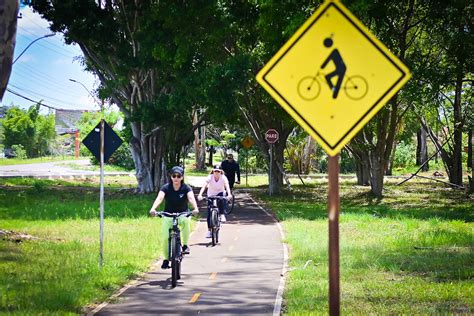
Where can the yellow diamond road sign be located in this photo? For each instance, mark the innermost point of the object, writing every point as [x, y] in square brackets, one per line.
[333, 76]
[247, 142]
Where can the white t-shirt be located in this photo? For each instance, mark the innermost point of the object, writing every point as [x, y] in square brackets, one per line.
[215, 187]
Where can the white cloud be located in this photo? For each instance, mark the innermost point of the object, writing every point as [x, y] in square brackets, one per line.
[32, 22]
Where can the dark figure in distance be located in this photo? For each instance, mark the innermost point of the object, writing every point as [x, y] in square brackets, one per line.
[231, 168]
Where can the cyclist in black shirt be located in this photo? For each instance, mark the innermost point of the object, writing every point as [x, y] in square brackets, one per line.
[177, 196]
[231, 167]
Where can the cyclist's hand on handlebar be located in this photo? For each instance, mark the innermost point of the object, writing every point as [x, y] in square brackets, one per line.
[229, 197]
[195, 211]
[153, 212]
[200, 198]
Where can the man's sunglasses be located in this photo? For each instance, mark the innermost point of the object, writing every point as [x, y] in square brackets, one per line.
[176, 175]
[217, 171]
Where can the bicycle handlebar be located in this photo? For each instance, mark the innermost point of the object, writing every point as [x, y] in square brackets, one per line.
[168, 214]
[214, 197]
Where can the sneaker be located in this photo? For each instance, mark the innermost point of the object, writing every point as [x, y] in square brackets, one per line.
[223, 219]
[186, 250]
[165, 265]
[208, 235]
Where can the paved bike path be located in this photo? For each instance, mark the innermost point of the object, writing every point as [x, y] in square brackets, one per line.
[240, 275]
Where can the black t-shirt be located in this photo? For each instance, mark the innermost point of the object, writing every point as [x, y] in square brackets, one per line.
[176, 201]
[230, 169]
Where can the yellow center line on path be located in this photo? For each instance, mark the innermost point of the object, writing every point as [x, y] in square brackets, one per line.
[212, 276]
[231, 247]
[195, 298]
[235, 238]
[224, 259]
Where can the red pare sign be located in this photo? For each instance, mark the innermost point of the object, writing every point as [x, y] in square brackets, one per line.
[271, 136]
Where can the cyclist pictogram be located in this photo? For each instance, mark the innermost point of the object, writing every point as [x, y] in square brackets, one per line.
[355, 87]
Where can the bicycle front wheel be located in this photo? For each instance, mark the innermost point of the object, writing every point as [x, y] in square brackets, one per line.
[356, 87]
[174, 260]
[214, 236]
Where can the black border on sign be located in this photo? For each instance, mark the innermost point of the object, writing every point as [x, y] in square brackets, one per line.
[403, 74]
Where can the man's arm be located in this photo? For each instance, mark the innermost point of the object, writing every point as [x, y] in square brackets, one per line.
[238, 171]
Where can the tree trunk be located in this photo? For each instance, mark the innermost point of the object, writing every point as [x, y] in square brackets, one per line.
[199, 146]
[211, 156]
[470, 141]
[202, 154]
[147, 152]
[377, 168]
[363, 170]
[470, 161]
[456, 174]
[422, 149]
[275, 156]
[307, 153]
[389, 170]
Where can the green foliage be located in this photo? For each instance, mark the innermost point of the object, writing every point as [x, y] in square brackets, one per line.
[35, 132]
[405, 155]
[19, 151]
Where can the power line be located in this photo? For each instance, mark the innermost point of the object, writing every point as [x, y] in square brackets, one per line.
[44, 82]
[51, 43]
[42, 96]
[34, 101]
[49, 48]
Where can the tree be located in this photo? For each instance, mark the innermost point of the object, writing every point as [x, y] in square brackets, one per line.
[146, 64]
[398, 25]
[33, 131]
[448, 81]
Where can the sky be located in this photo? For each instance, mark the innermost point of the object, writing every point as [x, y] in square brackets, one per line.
[43, 71]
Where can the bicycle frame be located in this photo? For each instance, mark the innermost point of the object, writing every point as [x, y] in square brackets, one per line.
[215, 217]
[174, 244]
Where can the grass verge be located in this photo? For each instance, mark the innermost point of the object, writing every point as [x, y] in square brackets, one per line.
[410, 253]
[57, 272]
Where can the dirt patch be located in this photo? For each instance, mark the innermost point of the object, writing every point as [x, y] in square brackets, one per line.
[18, 237]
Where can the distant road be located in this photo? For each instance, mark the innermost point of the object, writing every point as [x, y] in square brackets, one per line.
[58, 169]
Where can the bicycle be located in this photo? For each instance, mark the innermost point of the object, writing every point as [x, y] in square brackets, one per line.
[215, 218]
[355, 87]
[175, 250]
[230, 204]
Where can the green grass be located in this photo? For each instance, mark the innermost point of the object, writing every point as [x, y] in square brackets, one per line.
[58, 272]
[410, 253]
[15, 161]
[91, 182]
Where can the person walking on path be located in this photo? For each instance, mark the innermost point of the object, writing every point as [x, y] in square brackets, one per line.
[216, 184]
[231, 168]
[177, 196]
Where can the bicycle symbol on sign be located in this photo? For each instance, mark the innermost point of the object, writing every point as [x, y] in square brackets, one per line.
[355, 87]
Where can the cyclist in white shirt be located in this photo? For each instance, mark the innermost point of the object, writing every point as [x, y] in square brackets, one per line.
[216, 184]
